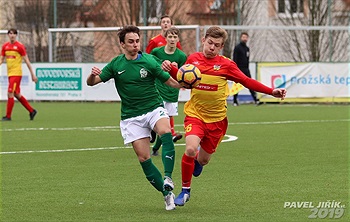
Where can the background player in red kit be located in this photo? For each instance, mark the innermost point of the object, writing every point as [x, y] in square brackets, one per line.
[14, 52]
[160, 40]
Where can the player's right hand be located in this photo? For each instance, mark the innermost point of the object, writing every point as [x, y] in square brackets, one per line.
[95, 71]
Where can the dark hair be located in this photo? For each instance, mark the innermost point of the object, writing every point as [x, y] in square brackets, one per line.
[172, 30]
[14, 31]
[216, 32]
[244, 33]
[165, 16]
[127, 29]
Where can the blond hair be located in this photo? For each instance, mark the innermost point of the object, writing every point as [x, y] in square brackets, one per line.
[216, 32]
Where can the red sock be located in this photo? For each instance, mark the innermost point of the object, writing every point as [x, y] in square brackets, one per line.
[172, 125]
[187, 167]
[10, 104]
[25, 103]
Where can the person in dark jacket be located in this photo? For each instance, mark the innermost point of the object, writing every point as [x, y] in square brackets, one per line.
[241, 58]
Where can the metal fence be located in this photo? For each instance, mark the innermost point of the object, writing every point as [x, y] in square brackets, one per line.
[267, 43]
[101, 44]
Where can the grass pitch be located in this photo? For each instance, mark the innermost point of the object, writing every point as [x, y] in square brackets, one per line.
[70, 164]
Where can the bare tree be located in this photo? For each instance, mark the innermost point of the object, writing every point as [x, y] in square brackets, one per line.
[37, 16]
[247, 12]
[311, 45]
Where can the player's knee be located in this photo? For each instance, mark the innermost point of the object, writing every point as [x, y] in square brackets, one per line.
[191, 151]
[164, 131]
[142, 158]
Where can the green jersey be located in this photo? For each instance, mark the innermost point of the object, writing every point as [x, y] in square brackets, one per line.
[168, 93]
[135, 83]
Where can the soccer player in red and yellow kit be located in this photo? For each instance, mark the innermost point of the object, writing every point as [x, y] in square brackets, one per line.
[206, 120]
[14, 52]
[160, 40]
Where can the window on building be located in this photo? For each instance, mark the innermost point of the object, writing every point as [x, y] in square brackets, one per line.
[281, 6]
[290, 7]
[154, 11]
[216, 5]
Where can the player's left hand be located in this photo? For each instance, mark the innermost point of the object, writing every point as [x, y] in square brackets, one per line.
[35, 79]
[279, 93]
[175, 64]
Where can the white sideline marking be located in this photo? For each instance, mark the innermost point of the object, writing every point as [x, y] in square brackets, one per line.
[291, 121]
[116, 128]
[62, 151]
[228, 139]
[95, 128]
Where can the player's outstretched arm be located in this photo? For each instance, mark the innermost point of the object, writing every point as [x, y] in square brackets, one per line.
[173, 83]
[279, 93]
[94, 77]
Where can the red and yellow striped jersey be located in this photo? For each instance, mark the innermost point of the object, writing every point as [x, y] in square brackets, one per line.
[13, 54]
[208, 99]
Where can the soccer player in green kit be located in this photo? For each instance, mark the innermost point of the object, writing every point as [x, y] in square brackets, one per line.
[142, 108]
[169, 94]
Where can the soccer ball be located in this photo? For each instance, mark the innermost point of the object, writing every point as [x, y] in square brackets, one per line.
[189, 76]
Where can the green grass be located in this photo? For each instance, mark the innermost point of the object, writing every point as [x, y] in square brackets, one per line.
[284, 153]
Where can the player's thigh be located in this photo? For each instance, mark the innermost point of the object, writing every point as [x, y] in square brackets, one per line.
[159, 120]
[162, 126]
[172, 108]
[192, 144]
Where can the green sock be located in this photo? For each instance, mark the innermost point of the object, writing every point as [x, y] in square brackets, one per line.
[168, 154]
[157, 144]
[153, 175]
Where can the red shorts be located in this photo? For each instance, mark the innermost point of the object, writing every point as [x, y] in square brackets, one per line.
[210, 134]
[14, 84]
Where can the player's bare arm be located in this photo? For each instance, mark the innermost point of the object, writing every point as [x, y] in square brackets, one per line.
[94, 77]
[26, 60]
